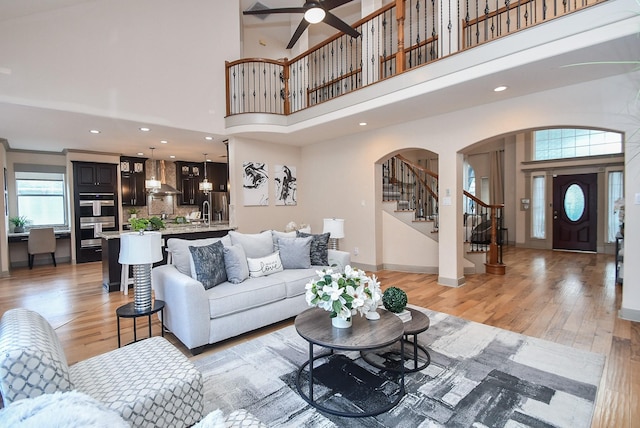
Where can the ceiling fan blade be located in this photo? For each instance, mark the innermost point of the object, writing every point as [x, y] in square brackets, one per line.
[276, 10]
[339, 24]
[303, 26]
[332, 4]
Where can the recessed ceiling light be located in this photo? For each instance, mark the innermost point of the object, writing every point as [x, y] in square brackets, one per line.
[140, 154]
[208, 138]
[363, 124]
[172, 156]
[145, 129]
[163, 141]
[500, 89]
[94, 131]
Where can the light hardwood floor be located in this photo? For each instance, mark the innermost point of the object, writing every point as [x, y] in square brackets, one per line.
[568, 298]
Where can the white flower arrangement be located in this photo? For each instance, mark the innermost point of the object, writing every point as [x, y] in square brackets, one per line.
[344, 294]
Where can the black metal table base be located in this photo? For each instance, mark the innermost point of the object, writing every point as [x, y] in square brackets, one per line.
[309, 397]
[420, 362]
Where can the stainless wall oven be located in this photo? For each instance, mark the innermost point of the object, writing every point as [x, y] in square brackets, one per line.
[97, 213]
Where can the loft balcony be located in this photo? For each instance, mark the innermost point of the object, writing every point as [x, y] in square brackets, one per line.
[420, 57]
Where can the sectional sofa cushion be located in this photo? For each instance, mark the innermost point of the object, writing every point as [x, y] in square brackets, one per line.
[264, 266]
[295, 253]
[319, 248]
[181, 255]
[207, 264]
[227, 298]
[255, 245]
[235, 263]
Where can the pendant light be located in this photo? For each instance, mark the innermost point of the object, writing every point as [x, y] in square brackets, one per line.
[152, 184]
[205, 185]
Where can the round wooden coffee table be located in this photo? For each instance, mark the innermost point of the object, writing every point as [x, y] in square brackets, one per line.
[314, 325]
[414, 351]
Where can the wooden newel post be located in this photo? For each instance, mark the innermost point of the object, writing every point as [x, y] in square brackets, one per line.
[493, 266]
[400, 19]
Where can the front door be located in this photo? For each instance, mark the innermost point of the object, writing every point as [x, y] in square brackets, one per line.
[575, 215]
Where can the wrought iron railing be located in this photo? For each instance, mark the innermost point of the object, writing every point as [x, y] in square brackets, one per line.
[415, 188]
[398, 37]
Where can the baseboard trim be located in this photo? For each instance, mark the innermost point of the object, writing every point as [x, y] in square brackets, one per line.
[629, 314]
[451, 282]
[411, 269]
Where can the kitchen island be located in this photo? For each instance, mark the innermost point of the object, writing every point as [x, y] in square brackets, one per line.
[111, 269]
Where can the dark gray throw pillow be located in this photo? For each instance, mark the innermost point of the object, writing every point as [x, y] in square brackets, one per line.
[208, 264]
[295, 253]
[319, 248]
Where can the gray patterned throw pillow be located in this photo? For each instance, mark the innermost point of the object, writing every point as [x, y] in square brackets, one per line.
[319, 248]
[295, 253]
[208, 264]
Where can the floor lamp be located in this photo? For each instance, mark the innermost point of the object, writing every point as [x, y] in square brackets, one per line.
[335, 226]
[140, 250]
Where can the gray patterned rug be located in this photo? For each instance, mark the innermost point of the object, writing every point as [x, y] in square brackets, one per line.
[479, 376]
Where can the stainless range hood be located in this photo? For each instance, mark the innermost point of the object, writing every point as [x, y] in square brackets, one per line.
[164, 189]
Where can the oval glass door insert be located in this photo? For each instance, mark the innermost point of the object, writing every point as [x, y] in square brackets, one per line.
[574, 202]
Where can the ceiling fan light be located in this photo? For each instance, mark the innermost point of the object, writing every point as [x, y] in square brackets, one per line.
[314, 15]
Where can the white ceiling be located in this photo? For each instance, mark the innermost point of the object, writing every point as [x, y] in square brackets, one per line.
[32, 128]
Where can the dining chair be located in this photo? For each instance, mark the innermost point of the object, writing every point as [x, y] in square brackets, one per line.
[41, 241]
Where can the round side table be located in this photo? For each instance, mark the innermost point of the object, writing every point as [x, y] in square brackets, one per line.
[128, 311]
[414, 351]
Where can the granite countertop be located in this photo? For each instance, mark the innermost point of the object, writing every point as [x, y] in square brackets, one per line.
[175, 229]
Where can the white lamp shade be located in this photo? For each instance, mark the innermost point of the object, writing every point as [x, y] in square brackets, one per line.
[137, 249]
[335, 226]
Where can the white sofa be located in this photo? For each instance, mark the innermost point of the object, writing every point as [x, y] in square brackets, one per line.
[199, 316]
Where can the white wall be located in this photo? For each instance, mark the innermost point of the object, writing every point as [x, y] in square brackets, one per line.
[158, 61]
[253, 219]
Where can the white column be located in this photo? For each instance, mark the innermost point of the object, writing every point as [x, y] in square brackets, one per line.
[450, 254]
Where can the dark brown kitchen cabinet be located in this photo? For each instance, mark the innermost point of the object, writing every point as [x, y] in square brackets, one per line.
[95, 199]
[132, 177]
[189, 176]
[92, 176]
[218, 175]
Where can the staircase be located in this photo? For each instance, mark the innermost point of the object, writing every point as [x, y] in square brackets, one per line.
[409, 193]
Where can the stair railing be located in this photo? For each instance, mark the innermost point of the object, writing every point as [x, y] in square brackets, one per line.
[415, 188]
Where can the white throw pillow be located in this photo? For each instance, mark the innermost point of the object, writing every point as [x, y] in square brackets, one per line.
[264, 266]
[255, 245]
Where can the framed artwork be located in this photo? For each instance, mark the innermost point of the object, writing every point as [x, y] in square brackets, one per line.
[255, 183]
[285, 184]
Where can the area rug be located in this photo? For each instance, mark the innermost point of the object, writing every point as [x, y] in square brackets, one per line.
[479, 376]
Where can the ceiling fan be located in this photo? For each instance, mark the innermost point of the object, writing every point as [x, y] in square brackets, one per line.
[314, 11]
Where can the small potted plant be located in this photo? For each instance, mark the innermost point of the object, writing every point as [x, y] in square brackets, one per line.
[156, 223]
[394, 299]
[133, 212]
[138, 224]
[19, 222]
